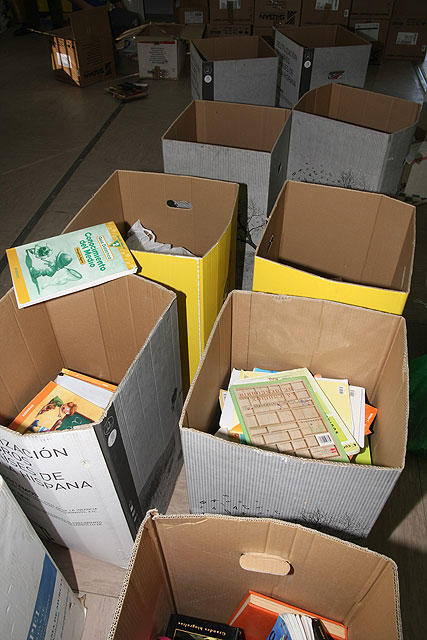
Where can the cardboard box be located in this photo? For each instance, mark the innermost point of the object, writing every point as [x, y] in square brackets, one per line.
[87, 488]
[220, 30]
[83, 52]
[330, 120]
[335, 340]
[191, 11]
[243, 553]
[378, 9]
[161, 51]
[239, 69]
[237, 142]
[409, 8]
[208, 229]
[312, 56]
[372, 239]
[407, 39]
[35, 599]
[269, 13]
[325, 12]
[232, 11]
[373, 31]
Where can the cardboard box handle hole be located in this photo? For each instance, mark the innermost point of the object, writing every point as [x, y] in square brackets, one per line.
[265, 563]
[179, 204]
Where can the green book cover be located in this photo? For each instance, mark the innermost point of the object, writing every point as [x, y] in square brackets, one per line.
[284, 415]
[67, 263]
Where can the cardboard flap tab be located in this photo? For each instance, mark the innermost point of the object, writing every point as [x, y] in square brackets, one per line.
[265, 563]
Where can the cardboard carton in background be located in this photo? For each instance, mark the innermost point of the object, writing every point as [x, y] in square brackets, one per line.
[218, 30]
[207, 228]
[373, 238]
[378, 9]
[87, 488]
[239, 69]
[374, 31]
[409, 8]
[336, 340]
[407, 39]
[219, 547]
[330, 120]
[35, 599]
[313, 56]
[83, 52]
[325, 12]
[232, 11]
[161, 51]
[191, 11]
[269, 13]
[241, 143]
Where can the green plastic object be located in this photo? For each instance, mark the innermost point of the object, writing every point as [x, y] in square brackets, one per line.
[417, 432]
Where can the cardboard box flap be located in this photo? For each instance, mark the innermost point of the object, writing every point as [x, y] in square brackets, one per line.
[146, 601]
[91, 24]
[234, 48]
[153, 31]
[213, 546]
[366, 234]
[229, 124]
[322, 36]
[160, 201]
[360, 107]
[113, 321]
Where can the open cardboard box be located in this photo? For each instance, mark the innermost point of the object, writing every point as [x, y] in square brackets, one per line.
[313, 56]
[335, 340]
[88, 488]
[338, 244]
[349, 137]
[204, 566]
[242, 143]
[234, 69]
[83, 53]
[199, 215]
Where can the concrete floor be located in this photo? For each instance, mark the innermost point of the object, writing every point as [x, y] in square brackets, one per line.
[59, 144]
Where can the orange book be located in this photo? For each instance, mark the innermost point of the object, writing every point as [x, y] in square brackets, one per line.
[370, 415]
[257, 615]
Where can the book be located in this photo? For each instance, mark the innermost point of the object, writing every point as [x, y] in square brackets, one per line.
[92, 389]
[257, 615]
[55, 409]
[189, 628]
[357, 403]
[67, 263]
[284, 415]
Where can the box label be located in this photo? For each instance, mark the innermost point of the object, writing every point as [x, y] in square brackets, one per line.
[368, 30]
[331, 5]
[293, 70]
[407, 37]
[64, 60]
[43, 604]
[193, 17]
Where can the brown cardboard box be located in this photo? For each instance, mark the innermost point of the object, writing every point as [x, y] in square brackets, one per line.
[407, 39]
[325, 12]
[373, 240]
[191, 11]
[336, 340]
[203, 566]
[240, 11]
[374, 31]
[270, 13]
[83, 53]
[406, 8]
[379, 9]
[226, 30]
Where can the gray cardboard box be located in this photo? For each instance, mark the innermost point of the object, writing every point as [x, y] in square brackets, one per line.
[349, 137]
[238, 143]
[234, 69]
[313, 56]
[88, 488]
[335, 340]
